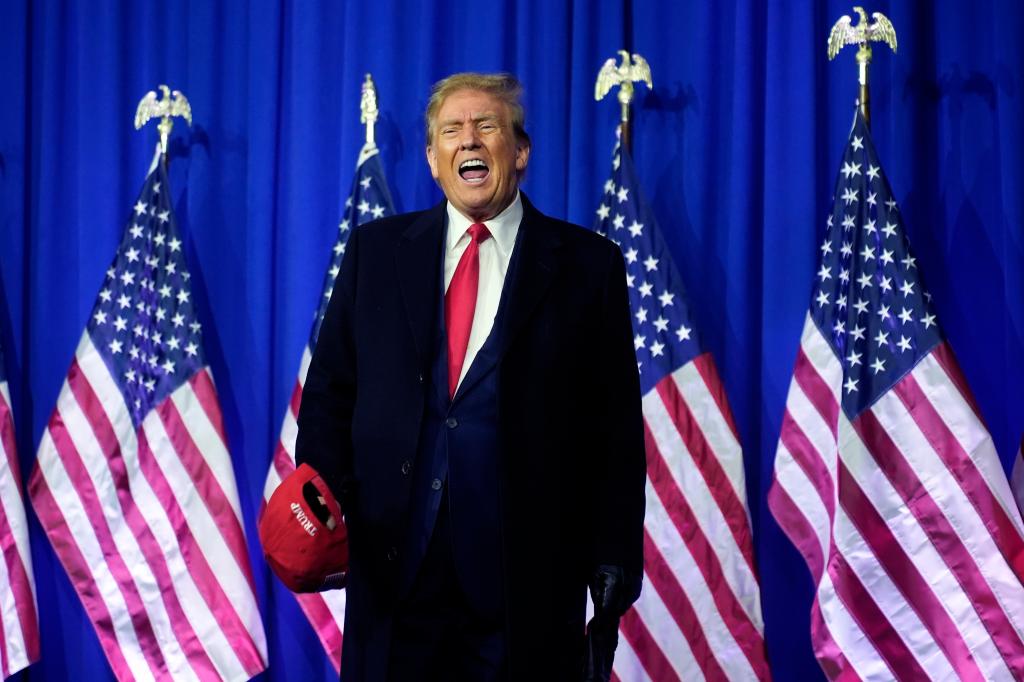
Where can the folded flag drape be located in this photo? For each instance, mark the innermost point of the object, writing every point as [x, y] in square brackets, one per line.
[133, 481]
[1017, 477]
[368, 200]
[19, 627]
[699, 614]
[886, 479]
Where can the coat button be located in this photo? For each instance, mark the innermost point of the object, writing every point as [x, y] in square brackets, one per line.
[392, 554]
[406, 466]
[436, 484]
[452, 422]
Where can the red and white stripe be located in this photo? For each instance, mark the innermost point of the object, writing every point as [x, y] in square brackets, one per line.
[325, 610]
[147, 525]
[907, 523]
[19, 630]
[699, 614]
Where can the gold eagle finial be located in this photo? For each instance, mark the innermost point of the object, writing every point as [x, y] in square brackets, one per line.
[623, 75]
[368, 110]
[172, 104]
[844, 33]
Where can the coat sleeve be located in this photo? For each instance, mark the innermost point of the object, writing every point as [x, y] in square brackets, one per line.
[621, 464]
[328, 398]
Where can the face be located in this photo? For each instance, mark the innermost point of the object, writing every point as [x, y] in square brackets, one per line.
[475, 155]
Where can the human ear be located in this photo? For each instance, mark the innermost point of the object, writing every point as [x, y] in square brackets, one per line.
[522, 157]
[432, 161]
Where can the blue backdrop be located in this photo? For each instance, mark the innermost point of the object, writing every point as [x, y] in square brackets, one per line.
[737, 148]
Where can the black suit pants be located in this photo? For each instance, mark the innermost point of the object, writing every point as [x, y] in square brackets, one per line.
[436, 635]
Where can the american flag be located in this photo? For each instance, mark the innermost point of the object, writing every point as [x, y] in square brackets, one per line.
[1017, 477]
[699, 614]
[369, 199]
[886, 479]
[133, 481]
[19, 631]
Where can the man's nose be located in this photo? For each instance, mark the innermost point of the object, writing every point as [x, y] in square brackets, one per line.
[469, 138]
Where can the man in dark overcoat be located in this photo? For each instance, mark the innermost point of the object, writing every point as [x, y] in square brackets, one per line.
[473, 401]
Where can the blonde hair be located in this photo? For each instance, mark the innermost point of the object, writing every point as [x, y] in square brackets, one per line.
[503, 86]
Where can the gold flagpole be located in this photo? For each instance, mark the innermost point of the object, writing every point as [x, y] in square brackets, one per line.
[172, 104]
[863, 34]
[623, 75]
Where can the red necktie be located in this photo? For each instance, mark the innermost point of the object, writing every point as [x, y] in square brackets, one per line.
[460, 304]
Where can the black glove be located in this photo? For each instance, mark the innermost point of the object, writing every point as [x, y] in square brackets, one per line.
[613, 590]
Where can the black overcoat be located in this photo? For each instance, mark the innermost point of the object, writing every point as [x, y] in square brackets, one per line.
[572, 466]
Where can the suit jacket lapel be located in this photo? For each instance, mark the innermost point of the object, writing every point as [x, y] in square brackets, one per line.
[418, 263]
[536, 269]
[530, 274]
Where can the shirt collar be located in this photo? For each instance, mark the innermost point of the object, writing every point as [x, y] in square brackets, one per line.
[503, 227]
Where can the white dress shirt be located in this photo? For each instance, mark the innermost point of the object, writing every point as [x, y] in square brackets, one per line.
[495, 254]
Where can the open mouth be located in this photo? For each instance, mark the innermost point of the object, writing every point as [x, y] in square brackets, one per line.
[473, 171]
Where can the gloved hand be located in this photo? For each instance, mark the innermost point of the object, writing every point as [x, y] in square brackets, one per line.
[613, 589]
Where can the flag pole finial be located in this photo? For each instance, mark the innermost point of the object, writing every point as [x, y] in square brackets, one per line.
[844, 33]
[368, 109]
[623, 75]
[173, 103]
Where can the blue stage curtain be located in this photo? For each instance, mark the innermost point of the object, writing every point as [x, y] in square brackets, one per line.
[737, 148]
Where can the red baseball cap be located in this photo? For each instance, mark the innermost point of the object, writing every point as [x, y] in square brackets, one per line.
[303, 534]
